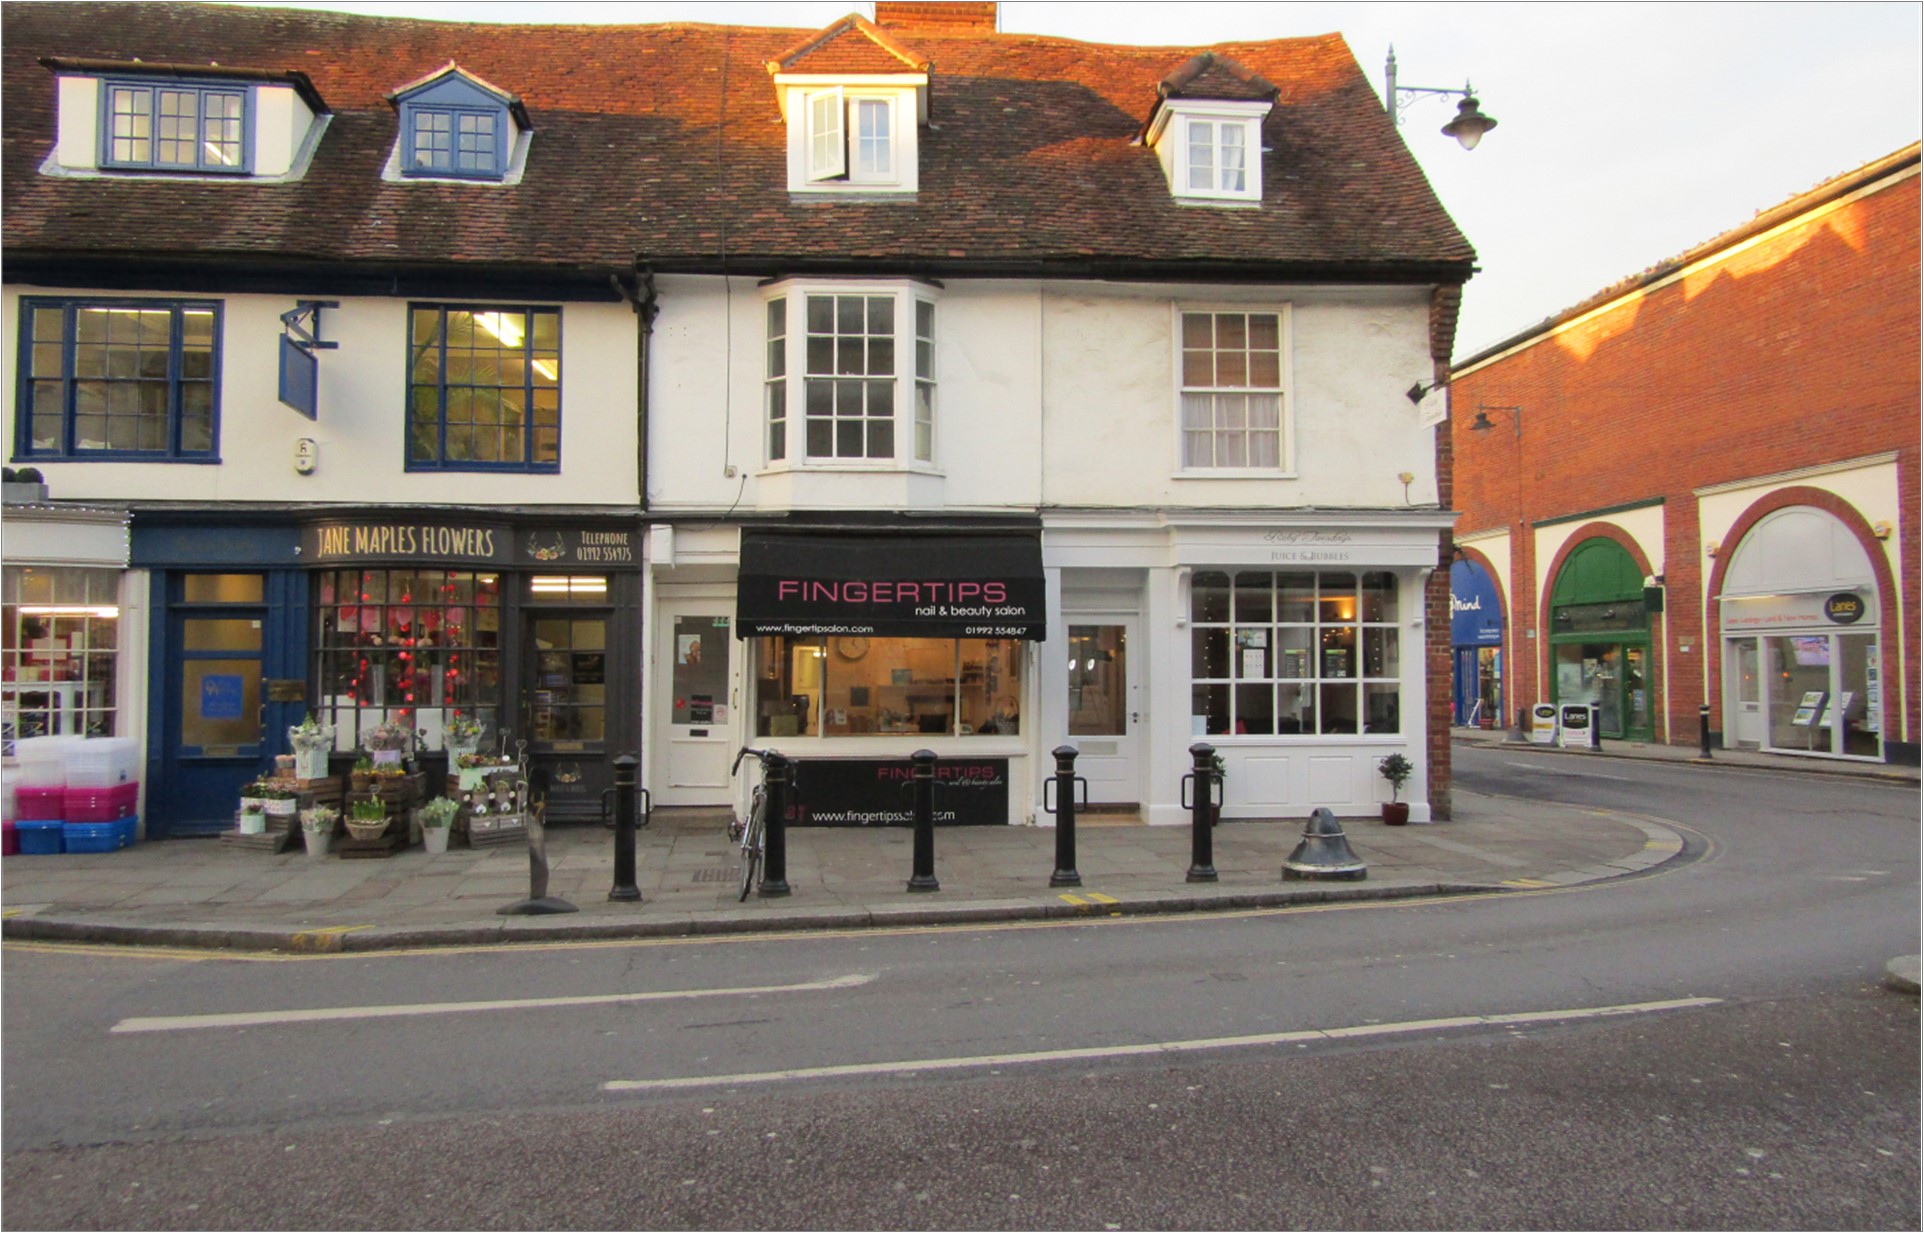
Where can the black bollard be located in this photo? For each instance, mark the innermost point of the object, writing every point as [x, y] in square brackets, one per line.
[1206, 789]
[922, 779]
[1703, 727]
[1065, 812]
[624, 889]
[778, 777]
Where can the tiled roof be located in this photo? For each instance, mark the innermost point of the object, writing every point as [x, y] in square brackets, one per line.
[1028, 165]
[851, 45]
[1217, 77]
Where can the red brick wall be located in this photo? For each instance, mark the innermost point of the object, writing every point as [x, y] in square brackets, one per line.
[1799, 351]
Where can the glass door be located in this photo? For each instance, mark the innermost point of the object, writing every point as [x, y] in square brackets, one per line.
[566, 660]
[1745, 722]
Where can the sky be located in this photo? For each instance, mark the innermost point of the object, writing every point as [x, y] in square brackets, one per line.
[1627, 132]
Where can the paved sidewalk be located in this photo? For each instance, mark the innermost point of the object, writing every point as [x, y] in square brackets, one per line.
[199, 892]
[1748, 759]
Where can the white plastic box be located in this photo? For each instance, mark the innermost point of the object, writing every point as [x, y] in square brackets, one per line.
[102, 762]
[43, 760]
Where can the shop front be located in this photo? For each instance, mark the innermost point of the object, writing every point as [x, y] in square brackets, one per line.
[1600, 639]
[1802, 655]
[849, 649]
[526, 625]
[61, 609]
[1476, 647]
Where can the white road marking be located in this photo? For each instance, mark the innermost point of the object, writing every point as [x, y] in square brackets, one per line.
[1157, 1047]
[180, 1023]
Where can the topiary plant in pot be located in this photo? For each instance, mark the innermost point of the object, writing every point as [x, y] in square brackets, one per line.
[1397, 769]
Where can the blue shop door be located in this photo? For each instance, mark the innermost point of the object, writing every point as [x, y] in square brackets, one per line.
[223, 638]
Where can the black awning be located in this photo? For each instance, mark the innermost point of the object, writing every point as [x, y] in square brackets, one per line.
[897, 585]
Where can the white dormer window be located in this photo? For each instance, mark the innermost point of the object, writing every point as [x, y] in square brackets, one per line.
[136, 119]
[856, 136]
[1211, 151]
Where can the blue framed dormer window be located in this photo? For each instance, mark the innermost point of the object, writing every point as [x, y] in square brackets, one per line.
[175, 126]
[456, 126]
[485, 388]
[119, 380]
[450, 141]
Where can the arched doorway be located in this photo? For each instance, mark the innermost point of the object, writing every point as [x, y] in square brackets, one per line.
[1600, 638]
[1476, 638]
[1802, 660]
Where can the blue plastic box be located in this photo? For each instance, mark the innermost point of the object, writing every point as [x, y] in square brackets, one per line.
[98, 836]
[39, 838]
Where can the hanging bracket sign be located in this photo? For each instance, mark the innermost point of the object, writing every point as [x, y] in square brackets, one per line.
[300, 370]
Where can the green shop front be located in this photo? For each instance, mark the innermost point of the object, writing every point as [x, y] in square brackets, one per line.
[530, 625]
[1600, 614]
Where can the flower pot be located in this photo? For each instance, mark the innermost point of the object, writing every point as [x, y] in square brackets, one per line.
[252, 823]
[385, 757]
[395, 787]
[362, 780]
[435, 838]
[319, 842]
[1396, 813]
[311, 763]
[366, 830]
[281, 809]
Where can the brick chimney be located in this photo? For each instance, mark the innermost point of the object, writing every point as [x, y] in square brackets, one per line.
[936, 16]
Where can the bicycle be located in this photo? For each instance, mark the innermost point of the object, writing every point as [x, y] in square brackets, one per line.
[752, 833]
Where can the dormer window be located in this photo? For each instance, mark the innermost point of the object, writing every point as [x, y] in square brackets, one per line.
[855, 100]
[175, 127]
[1207, 130]
[454, 126]
[851, 137]
[126, 118]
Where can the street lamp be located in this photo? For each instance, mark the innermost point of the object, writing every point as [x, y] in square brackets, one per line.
[1482, 422]
[1470, 123]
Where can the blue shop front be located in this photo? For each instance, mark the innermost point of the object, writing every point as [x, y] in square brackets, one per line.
[1476, 638]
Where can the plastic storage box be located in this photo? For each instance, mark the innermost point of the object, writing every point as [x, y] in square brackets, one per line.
[43, 804]
[9, 840]
[97, 836]
[43, 760]
[100, 762]
[99, 804]
[39, 838]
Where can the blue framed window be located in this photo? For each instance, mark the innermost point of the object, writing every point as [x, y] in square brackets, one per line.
[485, 388]
[454, 141]
[175, 126]
[132, 380]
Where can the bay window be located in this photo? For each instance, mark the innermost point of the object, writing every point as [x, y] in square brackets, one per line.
[835, 356]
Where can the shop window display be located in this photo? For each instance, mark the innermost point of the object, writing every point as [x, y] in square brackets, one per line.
[407, 645]
[1294, 653]
[59, 642]
[862, 686]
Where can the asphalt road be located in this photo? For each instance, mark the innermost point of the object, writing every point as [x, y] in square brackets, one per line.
[1314, 1067]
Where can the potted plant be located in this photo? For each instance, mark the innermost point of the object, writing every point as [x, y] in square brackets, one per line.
[312, 741]
[463, 735]
[471, 769]
[392, 783]
[388, 742]
[437, 822]
[317, 828]
[253, 818]
[362, 774]
[1397, 769]
[276, 801]
[367, 819]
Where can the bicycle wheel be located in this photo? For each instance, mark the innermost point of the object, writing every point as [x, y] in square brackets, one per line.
[752, 847]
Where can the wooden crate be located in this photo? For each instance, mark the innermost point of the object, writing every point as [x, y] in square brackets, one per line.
[278, 837]
[496, 830]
